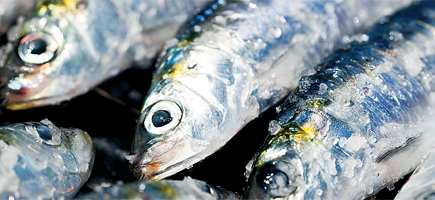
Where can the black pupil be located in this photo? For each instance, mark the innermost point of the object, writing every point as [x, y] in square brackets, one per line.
[161, 118]
[37, 46]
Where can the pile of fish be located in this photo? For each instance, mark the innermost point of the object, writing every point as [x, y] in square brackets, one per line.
[351, 82]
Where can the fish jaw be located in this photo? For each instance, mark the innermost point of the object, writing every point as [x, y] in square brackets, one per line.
[166, 158]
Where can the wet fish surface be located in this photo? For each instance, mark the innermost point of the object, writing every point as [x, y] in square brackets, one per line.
[66, 47]
[166, 189]
[41, 161]
[421, 184]
[361, 122]
[10, 10]
[230, 63]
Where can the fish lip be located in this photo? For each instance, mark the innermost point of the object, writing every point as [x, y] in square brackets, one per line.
[26, 104]
[141, 175]
[141, 169]
[146, 166]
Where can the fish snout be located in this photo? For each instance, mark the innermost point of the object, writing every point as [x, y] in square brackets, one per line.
[166, 158]
[20, 91]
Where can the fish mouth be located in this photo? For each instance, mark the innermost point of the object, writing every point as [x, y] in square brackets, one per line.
[23, 98]
[152, 172]
[10, 104]
[174, 157]
[21, 101]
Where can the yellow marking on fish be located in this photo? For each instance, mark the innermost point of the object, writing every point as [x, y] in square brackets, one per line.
[51, 7]
[168, 191]
[42, 10]
[310, 132]
[183, 43]
[177, 70]
[19, 106]
[306, 133]
[4, 137]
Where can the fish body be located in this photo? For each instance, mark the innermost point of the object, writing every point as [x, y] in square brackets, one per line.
[228, 64]
[166, 189]
[362, 121]
[41, 161]
[66, 47]
[421, 184]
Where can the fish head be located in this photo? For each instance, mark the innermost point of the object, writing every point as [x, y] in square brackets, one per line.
[175, 127]
[46, 152]
[46, 57]
[276, 177]
[186, 113]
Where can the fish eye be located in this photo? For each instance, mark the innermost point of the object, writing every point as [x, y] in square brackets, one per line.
[37, 48]
[274, 181]
[162, 117]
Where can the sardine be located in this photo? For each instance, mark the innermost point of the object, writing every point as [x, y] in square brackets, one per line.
[361, 122]
[10, 10]
[230, 63]
[166, 189]
[66, 47]
[41, 161]
[421, 184]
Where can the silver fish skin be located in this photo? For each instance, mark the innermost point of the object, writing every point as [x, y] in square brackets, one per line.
[10, 10]
[361, 122]
[66, 47]
[421, 184]
[228, 64]
[41, 161]
[165, 189]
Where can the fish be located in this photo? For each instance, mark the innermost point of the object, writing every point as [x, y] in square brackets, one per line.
[67, 47]
[361, 122]
[421, 183]
[10, 10]
[228, 64]
[41, 161]
[187, 188]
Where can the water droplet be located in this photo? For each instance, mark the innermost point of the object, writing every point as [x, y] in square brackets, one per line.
[197, 28]
[355, 20]
[142, 187]
[252, 5]
[342, 142]
[277, 32]
[391, 187]
[278, 109]
[274, 127]
[322, 88]
[253, 107]
[319, 192]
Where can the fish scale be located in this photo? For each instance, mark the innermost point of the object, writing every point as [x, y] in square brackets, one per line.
[374, 119]
[231, 62]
